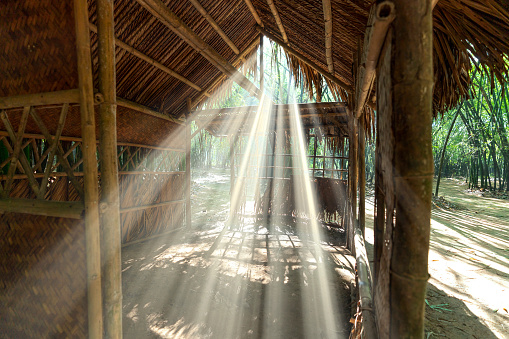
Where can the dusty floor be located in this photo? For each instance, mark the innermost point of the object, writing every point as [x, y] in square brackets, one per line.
[245, 281]
[468, 292]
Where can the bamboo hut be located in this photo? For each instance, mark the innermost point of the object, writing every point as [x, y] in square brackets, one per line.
[91, 90]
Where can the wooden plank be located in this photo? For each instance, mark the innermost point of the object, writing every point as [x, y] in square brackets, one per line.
[63, 209]
[38, 99]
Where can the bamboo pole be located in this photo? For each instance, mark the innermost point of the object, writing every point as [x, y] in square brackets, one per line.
[327, 16]
[214, 25]
[62, 209]
[110, 201]
[362, 179]
[412, 79]
[38, 99]
[262, 66]
[279, 24]
[305, 60]
[254, 12]
[352, 178]
[188, 164]
[379, 21]
[149, 60]
[143, 109]
[232, 173]
[173, 22]
[379, 208]
[92, 229]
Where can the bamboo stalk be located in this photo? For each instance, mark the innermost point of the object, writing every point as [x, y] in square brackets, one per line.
[150, 60]
[279, 24]
[144, 207]
[92, 228]
[80, 174]
[52, 151]
[188, 165]
[110, 201]
[379, 22]
[362, 178]
[254, 12]
[327, 16]
[63, 209]
[305, 60]
[38, 99]
[214, 25]
[262, 66]
[173, 22]
[411, 73]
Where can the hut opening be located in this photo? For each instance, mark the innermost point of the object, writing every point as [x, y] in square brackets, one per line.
[109, 228]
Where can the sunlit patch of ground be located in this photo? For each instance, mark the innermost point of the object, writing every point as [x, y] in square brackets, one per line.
[244, 280]
[468, 292]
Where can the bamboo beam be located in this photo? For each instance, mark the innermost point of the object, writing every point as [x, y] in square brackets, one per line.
[379, 21]
[412, 91]
[214, 25]
[254, 12]
[327, 17]
[188, 165]
[280, 108]
[237, 60]
[305, 60]
[38, 99]
[149, 60]
[145, 110]
[92, 229]
[80, 174]
[110, 201]
[173, 22]
[279, 24]
[62, 209]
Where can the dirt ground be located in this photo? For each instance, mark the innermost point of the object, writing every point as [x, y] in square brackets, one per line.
[243, 280]
[468, 292]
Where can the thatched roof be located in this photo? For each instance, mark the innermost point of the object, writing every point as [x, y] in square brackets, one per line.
[38, 52]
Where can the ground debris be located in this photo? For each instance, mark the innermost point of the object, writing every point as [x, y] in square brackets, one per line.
[442, 203]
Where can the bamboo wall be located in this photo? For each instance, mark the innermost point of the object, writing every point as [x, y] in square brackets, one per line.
[42, 277]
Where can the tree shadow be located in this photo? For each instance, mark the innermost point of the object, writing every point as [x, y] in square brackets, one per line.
[449, 317]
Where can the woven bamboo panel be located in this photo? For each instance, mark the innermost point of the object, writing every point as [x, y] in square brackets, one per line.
[42, 277]
[132, 126]
[38, 47]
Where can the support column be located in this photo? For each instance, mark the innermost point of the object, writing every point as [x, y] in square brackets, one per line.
[232, 173]
[188, 164]
[109, 206]
[412, 79]
[262, 67]
[92, 229]
[352, 180]
[362, 178]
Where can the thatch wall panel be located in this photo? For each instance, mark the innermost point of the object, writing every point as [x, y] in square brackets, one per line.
[132, 126]
[42, 277]
[38, 47]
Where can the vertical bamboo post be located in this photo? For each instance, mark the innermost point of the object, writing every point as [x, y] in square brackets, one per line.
[188, 164]
[379, 208]
[352, 178]
[412, 79]
[92, 229]
[362, 178]
[262, 67]
[109, 206]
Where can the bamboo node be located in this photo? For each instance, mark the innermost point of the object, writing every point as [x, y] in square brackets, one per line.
[98, 98]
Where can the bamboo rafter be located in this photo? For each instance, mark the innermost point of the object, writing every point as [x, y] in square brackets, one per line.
[148, 59]
[275, 13]
[173, 22]
[254, 12]
[214, 25]
[327, 16]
